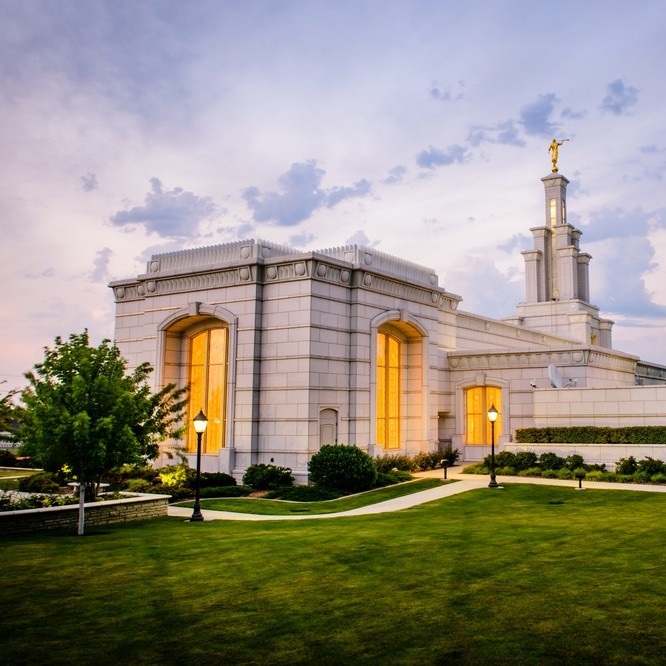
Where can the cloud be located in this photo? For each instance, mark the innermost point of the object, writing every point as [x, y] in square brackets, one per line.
[499, 295]
[89, 182]
[396, 174]
[101, 265]
[625, 263]
[607, 223]
[619, 97]
[301, 240]
[46, 273]
[434, 157]
[573, 115]
[627, 257]
[536, 117]
[505, 133]
[446, 94]
[301, 194]
[360, 238]
[168, 213]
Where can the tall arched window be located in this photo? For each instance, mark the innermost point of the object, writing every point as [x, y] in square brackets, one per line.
[478, 400]
[208, 351]
[388, 390]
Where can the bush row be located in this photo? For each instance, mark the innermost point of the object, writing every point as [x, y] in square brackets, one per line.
[420, 461]
[592, 435]
[551, 466]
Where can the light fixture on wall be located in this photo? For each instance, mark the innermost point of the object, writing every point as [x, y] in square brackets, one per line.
[200, 423]
[492, 417]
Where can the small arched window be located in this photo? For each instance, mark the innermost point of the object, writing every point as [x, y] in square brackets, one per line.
[478, 400]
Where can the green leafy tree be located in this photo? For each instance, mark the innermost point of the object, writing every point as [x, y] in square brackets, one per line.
[82, 409]
[10, 413]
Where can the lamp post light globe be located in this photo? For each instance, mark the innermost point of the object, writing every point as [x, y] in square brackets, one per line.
[492, 417]
[200, 423]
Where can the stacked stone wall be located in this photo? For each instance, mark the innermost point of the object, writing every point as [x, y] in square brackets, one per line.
[141, 507]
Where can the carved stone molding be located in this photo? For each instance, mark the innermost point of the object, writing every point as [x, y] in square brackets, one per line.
[532, 359]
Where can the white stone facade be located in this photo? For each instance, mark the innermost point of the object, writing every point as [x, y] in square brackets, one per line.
[302, 330]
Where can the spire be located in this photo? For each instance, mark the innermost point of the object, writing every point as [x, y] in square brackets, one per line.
[557, 274]
[556, 270]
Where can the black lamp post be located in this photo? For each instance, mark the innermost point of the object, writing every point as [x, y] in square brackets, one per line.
[200, 422]
[492, 417]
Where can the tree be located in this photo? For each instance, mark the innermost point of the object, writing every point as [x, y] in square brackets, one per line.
[83, 410]
[9, 416]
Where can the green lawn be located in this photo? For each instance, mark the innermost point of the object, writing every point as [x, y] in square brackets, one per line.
[525, 575]
[266, 507]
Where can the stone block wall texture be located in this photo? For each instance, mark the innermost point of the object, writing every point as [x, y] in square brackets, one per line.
[96, 514]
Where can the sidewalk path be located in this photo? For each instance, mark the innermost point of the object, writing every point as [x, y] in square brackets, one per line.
[463, 483]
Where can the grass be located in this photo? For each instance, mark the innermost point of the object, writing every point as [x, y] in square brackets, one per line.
[526, 575]
[267, 507]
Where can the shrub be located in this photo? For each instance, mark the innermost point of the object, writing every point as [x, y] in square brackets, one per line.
[593, 435]
[422, 461]
[7, 459]
[564, 473]
[304, 494]
[502, 459]
[574, 462]
[551, 460]
[650, 466]
[176, 476]
[505, 471]
[140, 486]
[391, 478]
[216, 479]
[525, 460]
[386, 463]
[476, 468]
[224, 491]
[426, 460]
[549, 474]
[177, 493]
[626, 465]
[659, 478]
[641, 477]
[43, 482]
[532, 471]
[267, 477]
[595, 475]
[451, 454]
[342, 466]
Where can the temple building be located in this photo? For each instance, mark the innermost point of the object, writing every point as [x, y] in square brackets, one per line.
[287, 350]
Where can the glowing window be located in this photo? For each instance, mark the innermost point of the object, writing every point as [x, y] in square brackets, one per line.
[388, 391]
[208, 382]
[553, 212]
[478, 400]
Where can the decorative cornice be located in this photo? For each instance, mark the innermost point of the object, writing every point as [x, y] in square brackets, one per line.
[577, 356]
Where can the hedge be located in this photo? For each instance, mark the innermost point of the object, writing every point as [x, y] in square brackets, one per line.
[592, 435]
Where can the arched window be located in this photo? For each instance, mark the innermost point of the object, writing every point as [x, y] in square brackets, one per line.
[478, 400]
[388, 390]
[207, 368]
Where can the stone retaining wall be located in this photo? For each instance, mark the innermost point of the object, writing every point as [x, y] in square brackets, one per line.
[139, 507]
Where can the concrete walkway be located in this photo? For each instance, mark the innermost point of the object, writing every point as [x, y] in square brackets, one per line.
[464, 482]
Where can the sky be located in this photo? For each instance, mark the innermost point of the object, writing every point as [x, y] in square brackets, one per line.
[417, 127]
